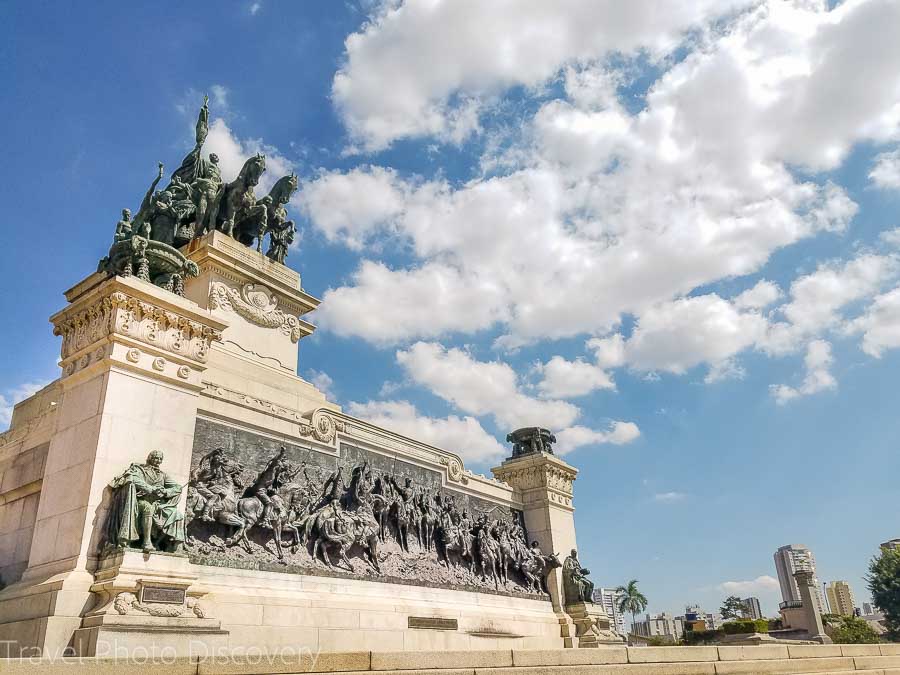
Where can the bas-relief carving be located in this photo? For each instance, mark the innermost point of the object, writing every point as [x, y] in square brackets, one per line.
[255, 303]
[254, 503]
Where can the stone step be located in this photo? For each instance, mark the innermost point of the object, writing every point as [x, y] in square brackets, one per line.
[762, 660]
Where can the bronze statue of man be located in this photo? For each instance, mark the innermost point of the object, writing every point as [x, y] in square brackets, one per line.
[576, 586]
[144, 508]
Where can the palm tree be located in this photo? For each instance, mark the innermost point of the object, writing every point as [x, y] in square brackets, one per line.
[631, 600]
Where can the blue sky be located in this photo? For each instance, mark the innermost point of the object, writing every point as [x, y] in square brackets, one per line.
[668, 231]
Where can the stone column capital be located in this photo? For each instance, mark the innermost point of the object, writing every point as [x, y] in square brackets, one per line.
[539, 478]
[130, 323]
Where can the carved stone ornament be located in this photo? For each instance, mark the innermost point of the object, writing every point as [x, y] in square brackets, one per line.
[255, 303]
[128, 603]
[323, 427]
[455, 471]
[121, 314]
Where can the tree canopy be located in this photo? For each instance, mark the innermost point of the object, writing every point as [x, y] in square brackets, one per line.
[884, 585]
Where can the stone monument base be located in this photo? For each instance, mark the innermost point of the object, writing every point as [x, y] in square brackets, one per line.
[587, 626]
[146, 601]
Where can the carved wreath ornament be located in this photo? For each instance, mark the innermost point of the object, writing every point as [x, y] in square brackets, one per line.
[126, 603]
[255, 303]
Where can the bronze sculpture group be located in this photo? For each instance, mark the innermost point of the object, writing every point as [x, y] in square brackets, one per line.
[352, 516]
[335, 518]
[196, 201]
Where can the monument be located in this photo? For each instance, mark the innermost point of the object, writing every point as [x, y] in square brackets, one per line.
[181, 486]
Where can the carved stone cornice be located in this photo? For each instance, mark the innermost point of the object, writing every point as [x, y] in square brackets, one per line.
[132, 312]
[258, 305]
[541, 473]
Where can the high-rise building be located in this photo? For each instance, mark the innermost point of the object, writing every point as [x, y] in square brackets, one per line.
[870, 609]
[790, 559]
[751, 605]
[660, 625]
[840, 598]
[698, 619]
[608, 598]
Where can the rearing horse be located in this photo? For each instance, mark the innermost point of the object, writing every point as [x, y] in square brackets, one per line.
[236, 212]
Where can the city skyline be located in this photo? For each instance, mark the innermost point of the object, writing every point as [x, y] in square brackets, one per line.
[660, 235]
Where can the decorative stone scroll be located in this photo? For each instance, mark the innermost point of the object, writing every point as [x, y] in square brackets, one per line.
[255, 303]
[253, 503]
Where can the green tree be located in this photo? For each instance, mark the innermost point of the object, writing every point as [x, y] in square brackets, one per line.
[631, 600]
[884, 585]
[733, 608]
[851, 630]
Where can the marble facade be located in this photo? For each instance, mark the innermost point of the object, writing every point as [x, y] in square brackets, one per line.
[144, 369]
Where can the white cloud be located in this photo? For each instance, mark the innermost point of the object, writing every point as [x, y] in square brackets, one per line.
[760, 586]
[322, 382]
[886, 172]
[763, 294]
[351, 207]
[572, 438]
[461, 435]
[568, 379]
[442, 61]
[15, 395]
[423, 302]
[880, 324]
[233, 152]
[678, 335]
[627, 209]
[669, 497]
[254, 8]
[817, 299]
[891, 237]
[482, 388]
[818, 377]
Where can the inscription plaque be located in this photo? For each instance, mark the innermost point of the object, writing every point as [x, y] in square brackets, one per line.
[433, 623]
[160, 594]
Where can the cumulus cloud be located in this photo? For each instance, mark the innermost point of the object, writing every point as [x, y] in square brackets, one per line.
[567, 379]
[763, 294]
[441, 61]
[234, 151]
[886, 172]
[817, 299]
[818, 377]
[628, 209]
[461, 435]
[879, 324]
[760, 586]
[618, 433]
[482, 388]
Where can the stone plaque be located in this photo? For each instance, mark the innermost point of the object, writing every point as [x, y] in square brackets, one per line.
[163, 595]
[432, 623]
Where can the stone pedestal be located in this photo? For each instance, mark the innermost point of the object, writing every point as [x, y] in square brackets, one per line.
[587, 625]
[132, 357]
[806, 582]
[544, 484]
[147, 601]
